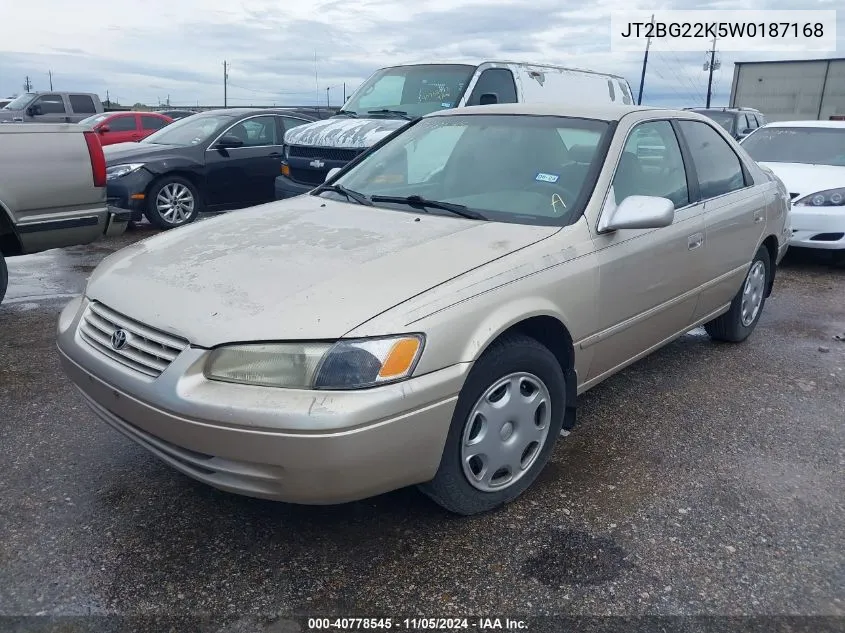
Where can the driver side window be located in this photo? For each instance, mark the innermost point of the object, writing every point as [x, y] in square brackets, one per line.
[652, 165]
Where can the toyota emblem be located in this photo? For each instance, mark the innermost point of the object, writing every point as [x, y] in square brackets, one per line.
[118, 339]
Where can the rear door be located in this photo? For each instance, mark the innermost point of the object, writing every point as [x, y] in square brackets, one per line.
[245, 175]
[81, 107]
[151, 123]
[734, 215]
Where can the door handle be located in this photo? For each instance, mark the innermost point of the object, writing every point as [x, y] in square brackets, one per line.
[276, 155]
[694, 241]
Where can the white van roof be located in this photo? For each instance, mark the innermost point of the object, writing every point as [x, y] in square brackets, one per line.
[502, 62]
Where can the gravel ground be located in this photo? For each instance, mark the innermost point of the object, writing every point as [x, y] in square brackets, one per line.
[705, 480]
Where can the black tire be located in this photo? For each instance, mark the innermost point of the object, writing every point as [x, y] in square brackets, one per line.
[730, 326]
[154, 215]
[4, 277]
[450, 487]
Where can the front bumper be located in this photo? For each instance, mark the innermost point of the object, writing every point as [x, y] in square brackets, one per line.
[300, 446]
[818, 227]
[286, 188]
[120, 192]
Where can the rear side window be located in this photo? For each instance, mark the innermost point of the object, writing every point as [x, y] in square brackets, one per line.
[152, 122]
[718, 167]
[497, 81]
[51, 104]
[121, 124]
[82, 104]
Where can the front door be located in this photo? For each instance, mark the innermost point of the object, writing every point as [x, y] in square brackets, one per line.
[49, 108]
[242, 176]
[648, 278]
[121, 128]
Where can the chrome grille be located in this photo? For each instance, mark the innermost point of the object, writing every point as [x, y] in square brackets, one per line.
[146, 350]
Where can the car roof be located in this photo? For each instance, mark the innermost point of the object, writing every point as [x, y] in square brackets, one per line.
[831, 124]
[601, 112]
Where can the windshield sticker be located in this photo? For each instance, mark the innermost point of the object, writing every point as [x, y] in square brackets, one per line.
[445, 104]
[542, 177]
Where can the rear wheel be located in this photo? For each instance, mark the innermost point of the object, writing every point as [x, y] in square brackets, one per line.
[173, 201]
[4, 277]
[739, 321]
[508, 416]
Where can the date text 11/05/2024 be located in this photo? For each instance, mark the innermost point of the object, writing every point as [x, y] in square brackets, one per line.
[417, 624]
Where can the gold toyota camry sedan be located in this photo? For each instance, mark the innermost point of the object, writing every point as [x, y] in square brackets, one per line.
[430, 314]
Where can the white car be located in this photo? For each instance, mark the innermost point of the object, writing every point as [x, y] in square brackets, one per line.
[809, 157]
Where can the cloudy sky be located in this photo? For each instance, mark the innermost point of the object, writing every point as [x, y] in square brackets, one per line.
[151, 50]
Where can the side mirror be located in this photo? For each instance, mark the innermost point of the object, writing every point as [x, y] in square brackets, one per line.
[746, 132]
[228, 141]
[332, 173]
[103, 129]
[488, 98]
[34, 110]
[639, 212]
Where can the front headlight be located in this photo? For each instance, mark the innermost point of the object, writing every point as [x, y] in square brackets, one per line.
[119, 171]
[828, 198]
[346, 364]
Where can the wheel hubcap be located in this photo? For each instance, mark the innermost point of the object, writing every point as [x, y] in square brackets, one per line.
[752, 293]
[175, 203]
[506, 431]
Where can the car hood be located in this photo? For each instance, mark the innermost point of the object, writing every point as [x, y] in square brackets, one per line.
[7, 116]
[128, 152]
[305, 268]
[803, 179]
[343, 132]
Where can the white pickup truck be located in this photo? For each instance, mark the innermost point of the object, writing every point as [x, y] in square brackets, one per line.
[52, 190]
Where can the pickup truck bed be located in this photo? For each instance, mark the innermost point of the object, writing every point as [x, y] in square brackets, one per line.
[52, 190]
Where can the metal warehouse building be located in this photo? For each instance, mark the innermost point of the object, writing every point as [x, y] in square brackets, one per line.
[791, 90]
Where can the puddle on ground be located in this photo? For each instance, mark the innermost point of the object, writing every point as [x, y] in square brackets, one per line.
[576, 558]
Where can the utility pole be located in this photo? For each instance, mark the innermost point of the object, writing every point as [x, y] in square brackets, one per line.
[225, 85]
[711, 66]
[108, 101]
[344, 92]
[328, 105]
[50, 72]
[645, 63]
[27, 86]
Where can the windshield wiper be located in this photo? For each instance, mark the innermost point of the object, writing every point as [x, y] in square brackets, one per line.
[422, 203]
[348, 113]
[399, 113]
[360, 198]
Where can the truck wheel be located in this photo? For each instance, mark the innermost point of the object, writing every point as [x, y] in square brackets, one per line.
[4, 277]
[508, 417]
[172, 201]
[739, 321]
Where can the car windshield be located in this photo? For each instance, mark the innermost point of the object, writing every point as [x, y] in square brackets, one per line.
[18, 103]
[509, 168]
[414, 90]
[94, 119]
[191, 130]
[725, 119]
[808, 145]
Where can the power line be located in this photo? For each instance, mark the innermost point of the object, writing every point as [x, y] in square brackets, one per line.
[694, 95]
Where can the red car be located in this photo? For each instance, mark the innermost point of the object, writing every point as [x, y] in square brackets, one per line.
[122, 127]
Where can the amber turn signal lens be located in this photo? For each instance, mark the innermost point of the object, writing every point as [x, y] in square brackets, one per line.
[400, 358]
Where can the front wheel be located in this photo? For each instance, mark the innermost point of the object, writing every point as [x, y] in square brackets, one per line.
[508, 416]
[173, 201]
[739, 321]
